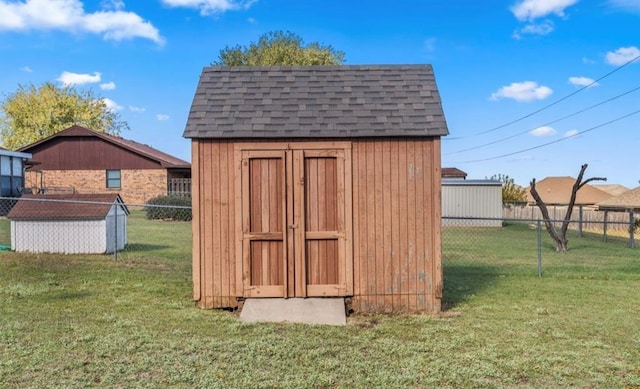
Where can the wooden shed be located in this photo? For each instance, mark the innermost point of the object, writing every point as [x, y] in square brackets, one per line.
[69, 224]
[315, 182]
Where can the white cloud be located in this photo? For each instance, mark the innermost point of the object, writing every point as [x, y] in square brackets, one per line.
[523, 91]
[543, 131]
[108, 85]
[571, 133]
[162, 117]
[26, 69]
[622, 55]
[588, 61]
[68, 78]
[136, 109]
[534, 9]
[544, 28]
[69, 15]
[252, 21]
[583, 81]
[112, 105]
[115, 5]
[209, 7]
[627, 5]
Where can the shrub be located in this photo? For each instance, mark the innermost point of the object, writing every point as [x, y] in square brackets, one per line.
[169, 207]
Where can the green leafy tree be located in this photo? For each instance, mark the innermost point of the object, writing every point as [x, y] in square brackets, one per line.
[280, 48]
[511, 192]
[35, 112]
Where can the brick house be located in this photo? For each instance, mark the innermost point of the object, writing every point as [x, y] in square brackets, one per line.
[80, 160]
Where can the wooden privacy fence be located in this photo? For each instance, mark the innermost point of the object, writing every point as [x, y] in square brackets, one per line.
[582, 217]
[179, 187]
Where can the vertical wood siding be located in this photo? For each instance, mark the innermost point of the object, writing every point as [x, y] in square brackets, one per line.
[213, 193]
[396, 211]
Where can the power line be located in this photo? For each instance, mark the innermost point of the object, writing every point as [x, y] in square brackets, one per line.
[552, 142]
[548, 105]
[546, 124]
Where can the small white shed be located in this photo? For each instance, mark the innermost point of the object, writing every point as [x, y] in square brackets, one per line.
[471, 203]
[69, 224]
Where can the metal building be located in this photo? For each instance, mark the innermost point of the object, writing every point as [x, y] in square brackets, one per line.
[69, 224]
[471, 199]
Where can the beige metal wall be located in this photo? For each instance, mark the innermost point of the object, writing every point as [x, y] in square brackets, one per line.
[471, 199]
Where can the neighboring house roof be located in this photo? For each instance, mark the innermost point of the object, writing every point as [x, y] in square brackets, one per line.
[316, 102]
[613, 189]
[165, 160]
[557, 191]
[453, 172]
[629, 200]
[64, 207]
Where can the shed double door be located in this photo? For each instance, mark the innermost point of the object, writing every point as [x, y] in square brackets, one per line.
[296, 229]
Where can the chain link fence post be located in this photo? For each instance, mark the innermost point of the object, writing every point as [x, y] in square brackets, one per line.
[115, 235]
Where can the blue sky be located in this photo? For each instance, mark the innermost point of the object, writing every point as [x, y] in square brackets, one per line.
[551, 76]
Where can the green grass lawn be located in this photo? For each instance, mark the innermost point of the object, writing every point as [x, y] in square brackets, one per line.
[76, 321]
[5, 232]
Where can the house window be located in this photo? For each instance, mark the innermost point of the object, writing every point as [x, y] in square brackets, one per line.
[113, 179]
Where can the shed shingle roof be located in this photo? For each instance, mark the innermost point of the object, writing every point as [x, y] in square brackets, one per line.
[316, 101]
[64, 207]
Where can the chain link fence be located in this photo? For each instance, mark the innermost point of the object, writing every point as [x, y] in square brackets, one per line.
[483, 246]
[94, 224]
[471, 246]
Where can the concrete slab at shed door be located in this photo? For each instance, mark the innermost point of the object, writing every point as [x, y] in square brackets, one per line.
[329, 311]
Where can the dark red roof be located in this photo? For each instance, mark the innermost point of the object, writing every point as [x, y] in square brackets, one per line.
[75, 206]
[453, 172]
[165, 160]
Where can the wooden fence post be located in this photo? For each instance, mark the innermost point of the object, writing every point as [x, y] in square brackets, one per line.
[631, 229]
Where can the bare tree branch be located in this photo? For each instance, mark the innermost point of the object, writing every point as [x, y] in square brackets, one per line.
[545, 213]
[561, 238]
[574, 194]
